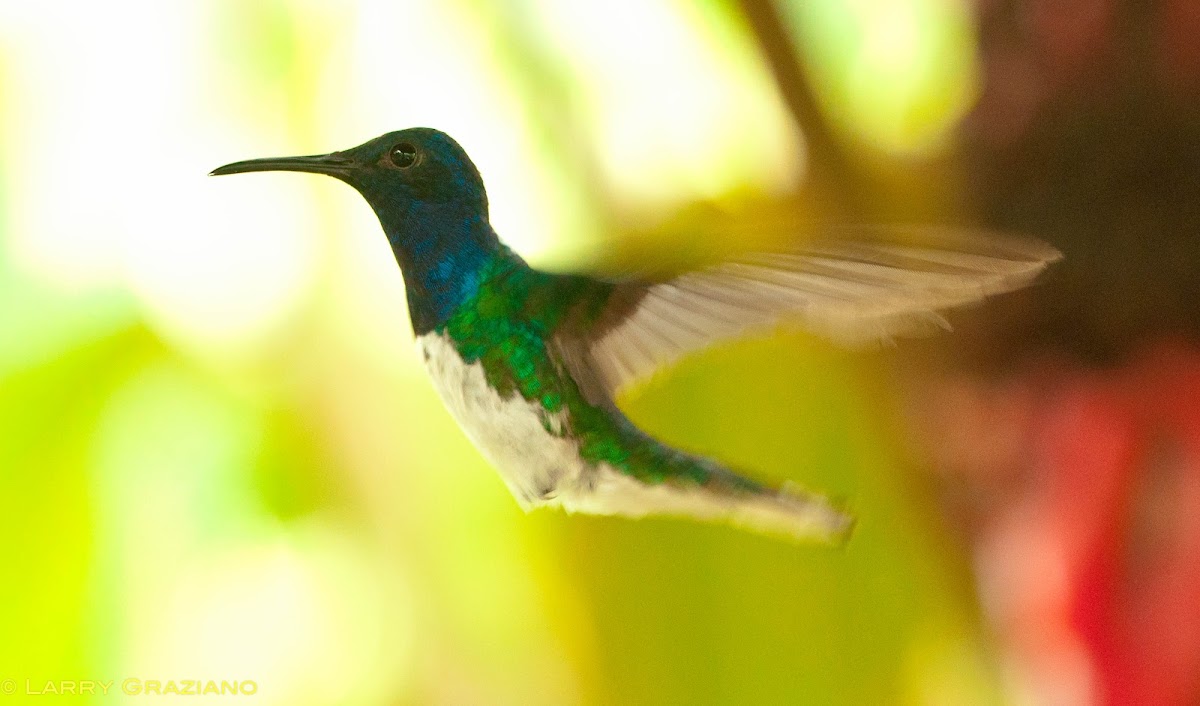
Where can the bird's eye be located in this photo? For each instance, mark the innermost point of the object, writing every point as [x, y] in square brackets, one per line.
[403, 155]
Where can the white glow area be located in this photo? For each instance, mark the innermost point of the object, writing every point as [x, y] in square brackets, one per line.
[223, 284]
[109, 188]
[307, 615]
[915, 76]
[892, 36]
[680, 111]
[899, 73]
[61, 216]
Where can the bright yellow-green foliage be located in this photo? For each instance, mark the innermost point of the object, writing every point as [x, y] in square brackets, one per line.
[220, 458]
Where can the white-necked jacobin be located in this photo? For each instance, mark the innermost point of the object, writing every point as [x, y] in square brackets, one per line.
[528, 361]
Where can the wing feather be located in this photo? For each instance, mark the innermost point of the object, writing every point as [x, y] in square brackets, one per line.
[853, 290]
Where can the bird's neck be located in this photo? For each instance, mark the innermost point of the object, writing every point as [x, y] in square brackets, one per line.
[443, 251]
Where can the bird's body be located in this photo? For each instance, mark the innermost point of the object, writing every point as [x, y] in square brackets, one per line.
[527, 361]
[499, 364]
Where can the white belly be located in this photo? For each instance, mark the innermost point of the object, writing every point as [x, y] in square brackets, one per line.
[511, 433]
[543, 468]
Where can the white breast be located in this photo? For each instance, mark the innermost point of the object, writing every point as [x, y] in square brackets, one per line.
[511, 433]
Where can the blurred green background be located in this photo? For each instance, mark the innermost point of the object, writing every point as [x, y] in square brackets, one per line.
[221, 460]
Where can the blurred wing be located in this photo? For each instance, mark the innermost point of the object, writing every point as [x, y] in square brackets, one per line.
[852, 291]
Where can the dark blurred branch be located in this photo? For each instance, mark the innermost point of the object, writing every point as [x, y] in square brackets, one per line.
[829, 167]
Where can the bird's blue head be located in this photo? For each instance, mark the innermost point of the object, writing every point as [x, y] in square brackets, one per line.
[399, 174]
[431, 202]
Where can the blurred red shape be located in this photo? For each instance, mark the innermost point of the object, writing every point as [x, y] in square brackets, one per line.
[1089, 565]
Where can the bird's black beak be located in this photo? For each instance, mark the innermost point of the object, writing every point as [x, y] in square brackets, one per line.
[335, 164]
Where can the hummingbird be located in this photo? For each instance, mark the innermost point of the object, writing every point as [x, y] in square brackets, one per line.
[529, 362]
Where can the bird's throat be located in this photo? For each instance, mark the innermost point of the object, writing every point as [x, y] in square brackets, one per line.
[442, 249]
